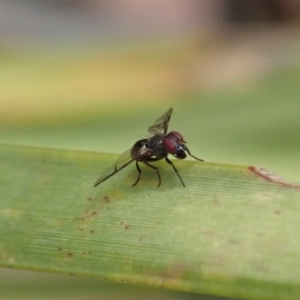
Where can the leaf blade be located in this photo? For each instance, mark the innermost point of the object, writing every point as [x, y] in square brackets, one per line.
[227, 231]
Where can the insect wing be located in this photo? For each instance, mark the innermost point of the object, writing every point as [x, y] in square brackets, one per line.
[160, 126]
[124, 160]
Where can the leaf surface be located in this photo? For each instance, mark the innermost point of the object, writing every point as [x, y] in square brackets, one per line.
[233, 231]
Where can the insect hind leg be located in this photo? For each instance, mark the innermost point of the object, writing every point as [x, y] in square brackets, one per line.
[139, 175]
[156, 169]
[140, 171]
[169, 162]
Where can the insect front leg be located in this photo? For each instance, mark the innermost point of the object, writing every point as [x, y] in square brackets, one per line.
[188, 151]
[169, 162]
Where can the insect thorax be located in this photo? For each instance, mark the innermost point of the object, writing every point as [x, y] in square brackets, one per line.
[155, 144]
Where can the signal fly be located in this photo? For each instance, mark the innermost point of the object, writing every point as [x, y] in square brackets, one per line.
[152, 149]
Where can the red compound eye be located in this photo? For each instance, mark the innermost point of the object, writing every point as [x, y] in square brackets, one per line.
[169, 145]
[176, 136]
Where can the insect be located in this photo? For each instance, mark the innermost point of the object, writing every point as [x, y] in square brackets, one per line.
[152, 149]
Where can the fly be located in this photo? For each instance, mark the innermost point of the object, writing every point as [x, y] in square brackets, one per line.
[152, 149]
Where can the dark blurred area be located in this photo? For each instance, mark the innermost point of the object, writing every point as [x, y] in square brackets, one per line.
[248, 11]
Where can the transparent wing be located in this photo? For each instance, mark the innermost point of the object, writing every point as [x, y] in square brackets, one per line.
[160, 126]
[124, 160]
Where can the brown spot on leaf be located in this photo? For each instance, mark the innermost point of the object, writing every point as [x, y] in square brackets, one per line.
[89, 198]
[208, 232]
[233, 241]
[215, 201]
[277, 212]
[70, 255]
[127, 226]
[92, 214]
[272, 177]
[92, 231]
[175, 272]
[106, 199]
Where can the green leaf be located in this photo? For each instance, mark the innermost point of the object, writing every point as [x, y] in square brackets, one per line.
[233, 231]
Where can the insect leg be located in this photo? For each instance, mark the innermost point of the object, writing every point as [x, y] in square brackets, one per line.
[169, 162]
[188, 151]
[139, 175]
[155, 168]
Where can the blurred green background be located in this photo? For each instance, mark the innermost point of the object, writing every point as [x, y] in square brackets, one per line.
[93, 75]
